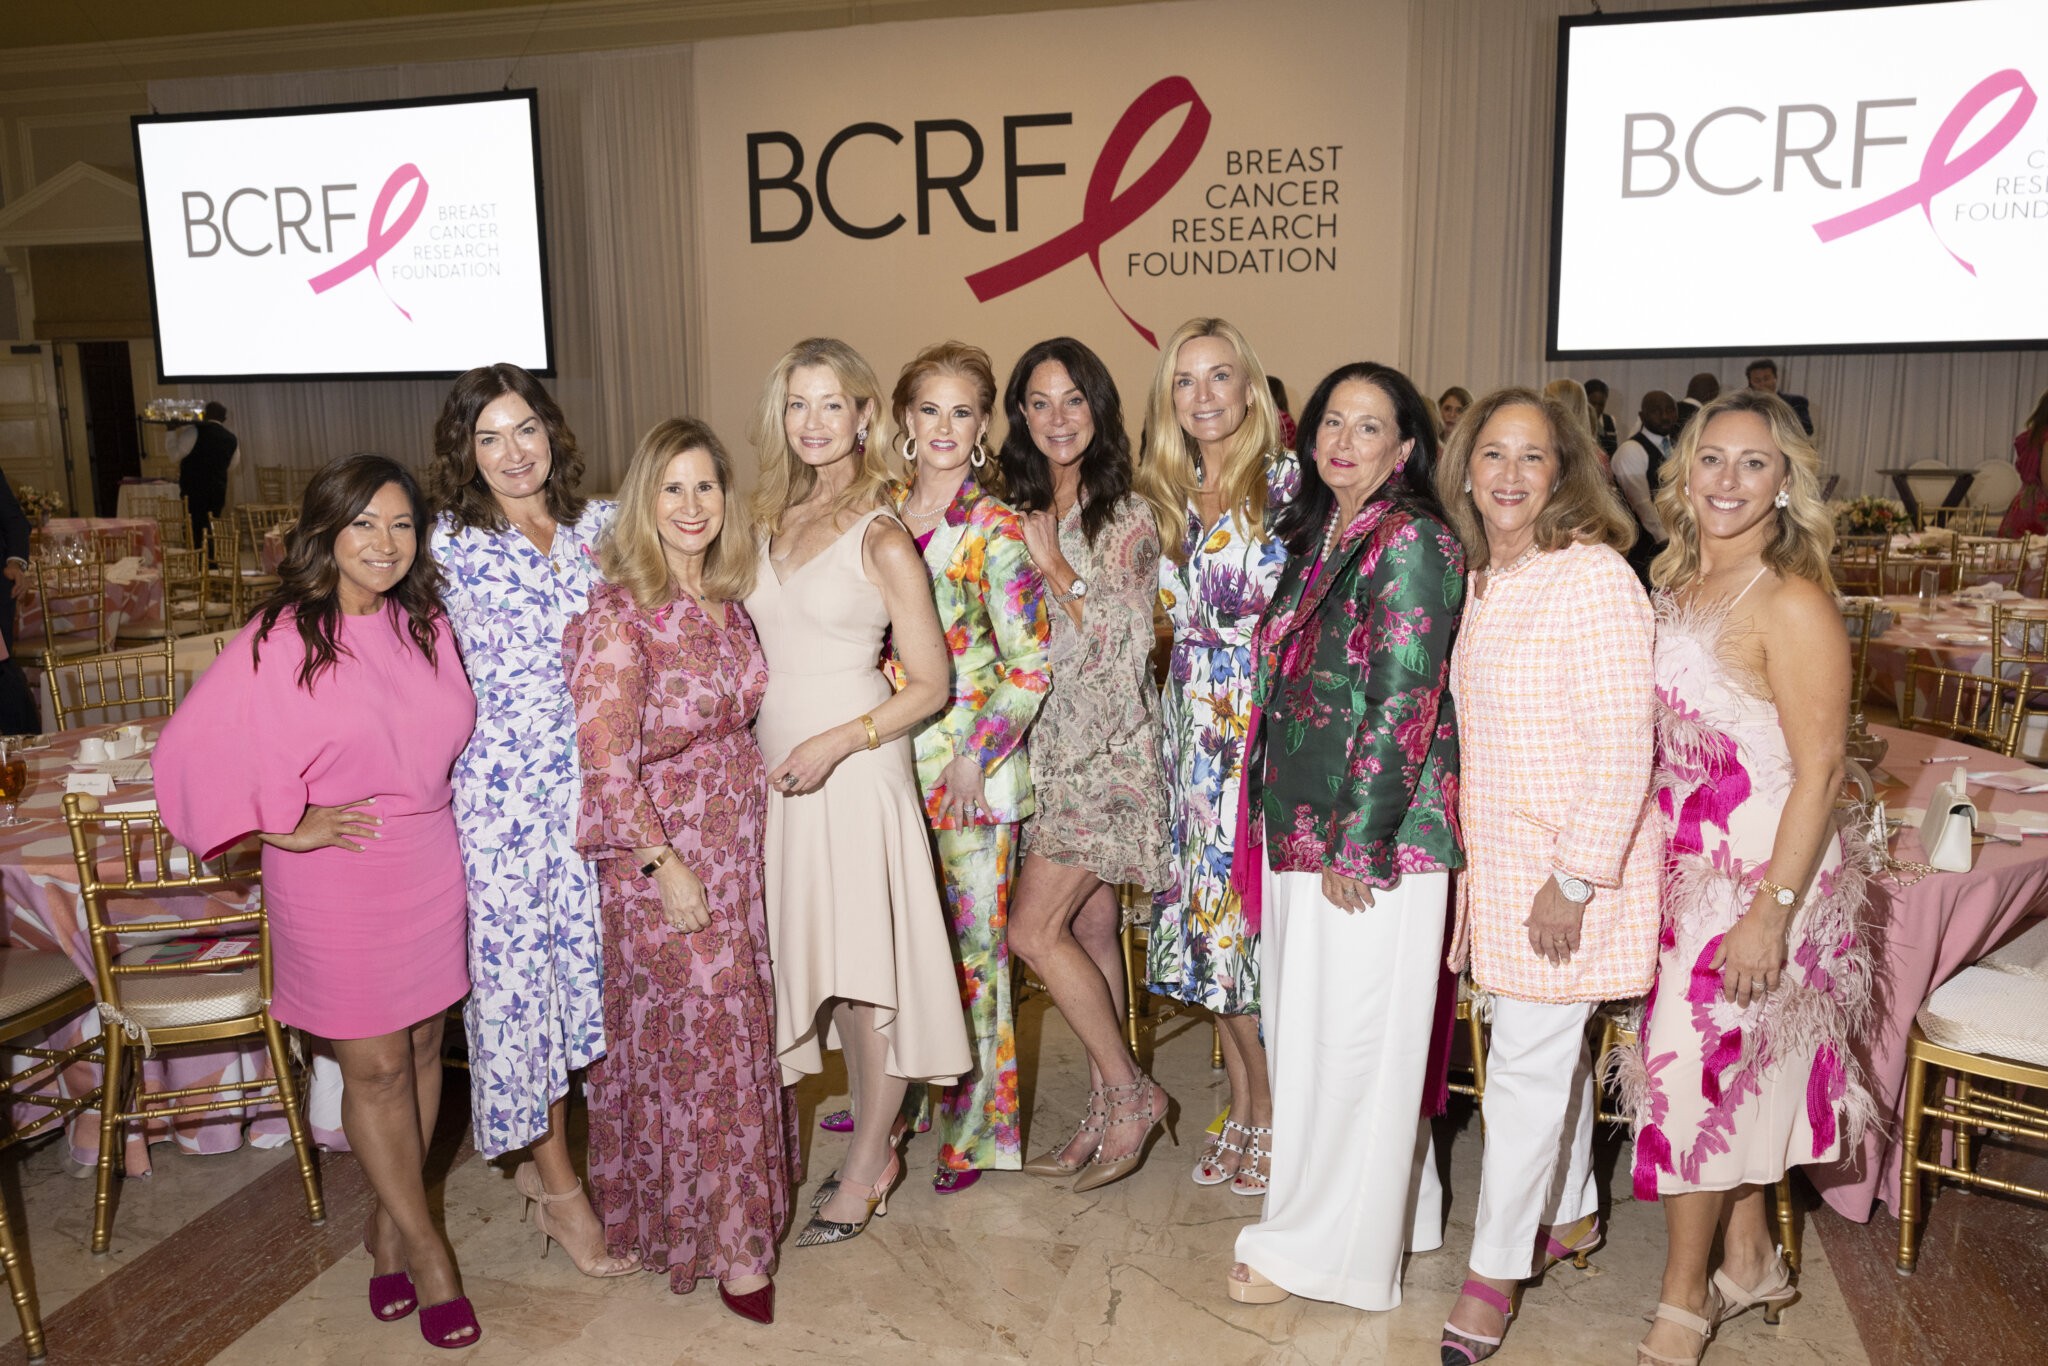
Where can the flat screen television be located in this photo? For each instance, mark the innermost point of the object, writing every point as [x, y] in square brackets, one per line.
[1816, 177]
[394, 240]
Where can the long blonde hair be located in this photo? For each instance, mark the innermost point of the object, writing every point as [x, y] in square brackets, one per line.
[1582, 507]
[785, 479]
[1572, 395]
[1806, 532]
[1166, 467]
[629, 553]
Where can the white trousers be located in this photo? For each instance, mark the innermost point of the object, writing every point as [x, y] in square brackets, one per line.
[1537, 1165]
[1347, 1002]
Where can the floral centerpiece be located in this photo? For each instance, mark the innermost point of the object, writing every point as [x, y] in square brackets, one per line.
[1872, 516]
[38, 506]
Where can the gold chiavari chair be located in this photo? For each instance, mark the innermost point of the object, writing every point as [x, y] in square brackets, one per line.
[1477, 1034]
[146, 1005]
[1985, 1027]
[1615, 1033]
[1987, 710]
[270, 484]
[1859, 617]
[122, 685]
[1985, 559]
[253, 521]
[74, 601]
[117, 543]
[1962, 518]
[187, 580]
[1859, 564]
[2019, 636]
[37, 989]
[1135, 939]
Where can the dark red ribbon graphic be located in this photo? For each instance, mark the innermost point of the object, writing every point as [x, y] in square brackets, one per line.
[1104, 212]
[1937, 171]
[383, 236]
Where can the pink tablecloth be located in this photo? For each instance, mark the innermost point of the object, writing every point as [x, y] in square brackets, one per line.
[1911, 632]
[39, 882]
[1927, 933]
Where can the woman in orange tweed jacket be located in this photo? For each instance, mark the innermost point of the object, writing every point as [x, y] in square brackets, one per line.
[1557, 910]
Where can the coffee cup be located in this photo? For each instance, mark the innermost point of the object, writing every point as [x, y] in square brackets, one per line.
[92, 750]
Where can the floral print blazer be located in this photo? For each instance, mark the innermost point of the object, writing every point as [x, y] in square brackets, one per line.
[991, 602]
[1358, 766]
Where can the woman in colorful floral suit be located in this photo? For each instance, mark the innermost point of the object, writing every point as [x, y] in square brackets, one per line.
[971, 762]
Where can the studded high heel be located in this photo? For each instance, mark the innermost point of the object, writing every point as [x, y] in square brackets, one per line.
[1123, 1101]
[822, 1230]
[1095, 1123]
[1209, 1166]
[1254, 1174]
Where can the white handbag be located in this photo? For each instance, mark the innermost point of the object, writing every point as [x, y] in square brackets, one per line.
[1946, 829]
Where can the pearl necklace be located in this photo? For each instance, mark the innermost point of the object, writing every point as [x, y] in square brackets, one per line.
[1329, 539]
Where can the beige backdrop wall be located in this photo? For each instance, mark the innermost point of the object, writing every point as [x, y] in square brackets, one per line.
[1324, 79]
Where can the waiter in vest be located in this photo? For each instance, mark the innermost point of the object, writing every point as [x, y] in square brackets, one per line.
[1636, 465]
[203, 473]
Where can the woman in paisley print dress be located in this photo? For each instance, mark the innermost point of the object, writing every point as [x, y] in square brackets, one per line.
[971, 760]
[515, 543]
[689, 1125]
[1215, 453]
[1101, 790]
[1746, 1063]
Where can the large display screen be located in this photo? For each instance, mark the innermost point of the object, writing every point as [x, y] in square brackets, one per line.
[391, 240]
[1802, 178]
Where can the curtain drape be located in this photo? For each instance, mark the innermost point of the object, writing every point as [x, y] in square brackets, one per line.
[1482, 76]
[615, 142]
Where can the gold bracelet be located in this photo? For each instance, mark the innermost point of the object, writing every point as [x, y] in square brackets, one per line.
[874, 736]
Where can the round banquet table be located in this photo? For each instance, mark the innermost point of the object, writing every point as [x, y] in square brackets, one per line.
[1912, 632]
[39, 884]
[135, 595]
[1928, 932]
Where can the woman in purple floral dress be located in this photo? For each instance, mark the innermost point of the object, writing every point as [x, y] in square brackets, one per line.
[1352, 774]
[690, 1151]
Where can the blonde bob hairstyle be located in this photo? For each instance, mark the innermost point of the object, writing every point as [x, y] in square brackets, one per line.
[785, 479]
[630, 552]
[1583, 505]
[1166, 467]
[1805, 533]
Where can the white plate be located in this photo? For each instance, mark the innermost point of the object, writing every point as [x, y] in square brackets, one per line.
[1962, 638]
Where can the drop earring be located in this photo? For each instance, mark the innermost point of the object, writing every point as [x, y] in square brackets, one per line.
[1782, 501]
[860, 442]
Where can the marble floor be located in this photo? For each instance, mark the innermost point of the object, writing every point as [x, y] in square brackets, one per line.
[1012, 1270]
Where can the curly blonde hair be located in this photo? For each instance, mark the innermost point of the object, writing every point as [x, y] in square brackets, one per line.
[1805, 534]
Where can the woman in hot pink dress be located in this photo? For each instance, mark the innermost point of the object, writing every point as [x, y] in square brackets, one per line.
[690, 1138]
[327, 730]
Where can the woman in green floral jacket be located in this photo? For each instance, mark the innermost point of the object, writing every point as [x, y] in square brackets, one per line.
[1353, 784]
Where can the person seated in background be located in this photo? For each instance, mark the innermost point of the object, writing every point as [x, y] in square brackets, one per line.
[1604, 434]
[1700, 390]
[1635, 466]
[1762, 376]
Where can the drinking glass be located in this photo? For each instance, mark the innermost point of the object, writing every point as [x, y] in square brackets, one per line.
[13, 778]
[1930, 590]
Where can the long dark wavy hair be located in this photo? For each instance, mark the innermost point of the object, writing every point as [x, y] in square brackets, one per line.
[311, 579]
[455, 485]
[1300, 524]
[1106, 466]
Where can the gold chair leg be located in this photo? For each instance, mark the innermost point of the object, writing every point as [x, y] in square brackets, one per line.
[295, 1120]
[113, 1096]
[1788, 1223]
[1910, 1124]
[1476, 1035]
[22, 1285]
[1129, 939]
[1964, 1133]
[1215, 1045]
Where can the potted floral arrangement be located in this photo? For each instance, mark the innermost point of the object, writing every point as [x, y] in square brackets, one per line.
[1872, 516]
[39, 507]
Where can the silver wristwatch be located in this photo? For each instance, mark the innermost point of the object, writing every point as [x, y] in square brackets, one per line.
[1079, 590]
[1576, 890]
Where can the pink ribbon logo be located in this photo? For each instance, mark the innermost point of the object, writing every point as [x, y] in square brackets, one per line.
[383, 235]
[1104, 212]
[1937, 171]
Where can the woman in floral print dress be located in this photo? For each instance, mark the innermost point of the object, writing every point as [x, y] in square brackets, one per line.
[1215, 453]
[690, 1152]
[971, 761]
[514, 540]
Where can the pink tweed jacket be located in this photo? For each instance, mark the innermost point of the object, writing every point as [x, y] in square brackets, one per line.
[1555, 694]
